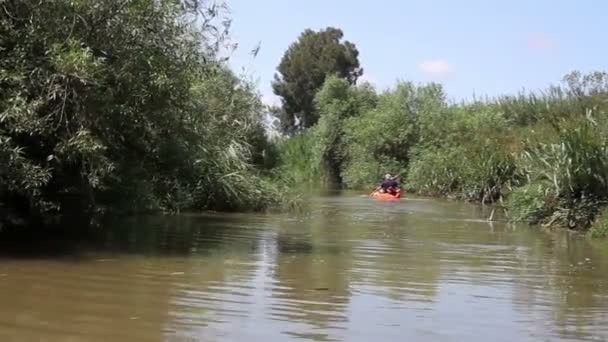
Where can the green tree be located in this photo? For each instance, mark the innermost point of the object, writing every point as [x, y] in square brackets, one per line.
[337, 102]
[304, 68]
[122, 105]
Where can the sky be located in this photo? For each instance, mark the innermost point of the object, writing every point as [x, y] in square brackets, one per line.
[473, 47]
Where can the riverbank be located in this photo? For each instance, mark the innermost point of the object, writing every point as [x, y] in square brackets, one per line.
[141, 113]
[544, 155]
[103, 119]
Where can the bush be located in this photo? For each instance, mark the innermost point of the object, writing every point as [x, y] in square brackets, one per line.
[437, 171]
[383, 137]
[299, 160]
[532, 202]
[138, 113]
[546, 152]
[599, 228]
[468, 154]
[575, 162]
[316, 156]
[567, 167]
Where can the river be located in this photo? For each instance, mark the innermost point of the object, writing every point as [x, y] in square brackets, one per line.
[352, 269]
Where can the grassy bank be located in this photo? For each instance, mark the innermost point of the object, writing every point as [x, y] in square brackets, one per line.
[544, 155]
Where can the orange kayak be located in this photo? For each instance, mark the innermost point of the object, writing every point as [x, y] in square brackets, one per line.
[386, 196]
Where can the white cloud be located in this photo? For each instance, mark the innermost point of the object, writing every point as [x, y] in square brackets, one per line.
[436, 67]
[541, 42]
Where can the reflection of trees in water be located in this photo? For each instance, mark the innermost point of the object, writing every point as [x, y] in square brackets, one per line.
[203, 277]
[182, 235]
[311, 267]
[397, 260]
[215, 294]
[99, 287]
[404, 258]
[62, 300]
[573, 285]
[319, 261]
[547, 272]
[186, 274]
[159, 278]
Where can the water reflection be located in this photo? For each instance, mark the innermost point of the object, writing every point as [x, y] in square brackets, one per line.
[311, 269]
[354, 269]
[104, 300]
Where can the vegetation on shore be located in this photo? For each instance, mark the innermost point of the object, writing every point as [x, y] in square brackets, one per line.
[110, 106]
[542, 156]
[129, 106]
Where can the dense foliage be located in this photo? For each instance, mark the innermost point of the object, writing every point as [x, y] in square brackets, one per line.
[542, 156]
[123, 105]
[110, 106]
[303, 69]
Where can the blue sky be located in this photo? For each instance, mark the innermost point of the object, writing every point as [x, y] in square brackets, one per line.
[471, 46]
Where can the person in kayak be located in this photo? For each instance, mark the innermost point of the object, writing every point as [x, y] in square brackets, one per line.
[389, 184]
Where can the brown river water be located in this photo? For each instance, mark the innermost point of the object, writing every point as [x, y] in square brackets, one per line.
[353, 269]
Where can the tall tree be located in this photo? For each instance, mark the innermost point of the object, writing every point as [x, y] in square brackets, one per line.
[303, 69]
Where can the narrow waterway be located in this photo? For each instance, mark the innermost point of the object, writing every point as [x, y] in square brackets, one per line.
[353, 269]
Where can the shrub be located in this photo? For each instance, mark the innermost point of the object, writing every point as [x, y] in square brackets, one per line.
[599, 228]
[137, 113]
[382, 138]
[532, 202]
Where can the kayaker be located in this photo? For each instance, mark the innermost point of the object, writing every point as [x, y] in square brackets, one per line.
[389, 184]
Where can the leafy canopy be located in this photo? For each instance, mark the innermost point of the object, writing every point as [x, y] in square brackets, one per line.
[303, 70]
[122, 105]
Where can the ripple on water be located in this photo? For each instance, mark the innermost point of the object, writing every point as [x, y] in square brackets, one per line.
[352, 270]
